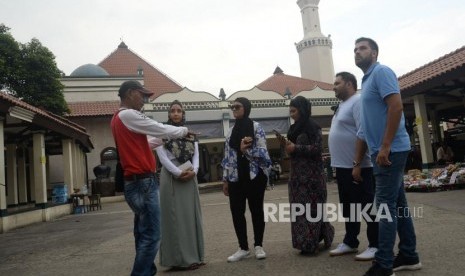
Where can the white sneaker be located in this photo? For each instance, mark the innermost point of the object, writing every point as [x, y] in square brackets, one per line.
[367, 255]
[259, 253]
[239, 255]
[342, 249]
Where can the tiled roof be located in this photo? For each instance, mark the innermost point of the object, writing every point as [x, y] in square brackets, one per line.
[279, 82]
[434, 69]
[89, 109]
[124, 62]
[49, 120]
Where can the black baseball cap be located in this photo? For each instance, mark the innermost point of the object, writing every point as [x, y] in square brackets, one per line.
[133, 85]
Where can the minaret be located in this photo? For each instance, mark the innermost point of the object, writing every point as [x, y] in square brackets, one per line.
[315, 54]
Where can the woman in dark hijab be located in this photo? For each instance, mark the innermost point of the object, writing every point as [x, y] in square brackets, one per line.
[307, 185]
[246, 165]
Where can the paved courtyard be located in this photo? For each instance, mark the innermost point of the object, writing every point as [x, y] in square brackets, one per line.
[101, 242]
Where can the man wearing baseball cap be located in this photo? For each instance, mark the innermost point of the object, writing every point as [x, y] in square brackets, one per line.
[135, 136]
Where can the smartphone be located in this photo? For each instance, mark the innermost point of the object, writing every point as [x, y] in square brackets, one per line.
[279, 136]
[247, 140]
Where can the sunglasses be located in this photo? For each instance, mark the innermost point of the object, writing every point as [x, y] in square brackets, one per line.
[236, 107]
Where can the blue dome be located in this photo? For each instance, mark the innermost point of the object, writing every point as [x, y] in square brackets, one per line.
[89, 70]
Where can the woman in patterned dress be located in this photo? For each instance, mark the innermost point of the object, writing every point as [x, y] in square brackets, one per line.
[307, 185]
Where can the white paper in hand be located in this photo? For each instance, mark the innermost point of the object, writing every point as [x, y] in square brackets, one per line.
[185, 166]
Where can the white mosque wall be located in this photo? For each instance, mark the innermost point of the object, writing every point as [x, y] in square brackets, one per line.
[186, 95]
[267, 113]
[322, 101]
[93, 89]
[317, 93]
[94, 96]
[256, 94]
[191, 115]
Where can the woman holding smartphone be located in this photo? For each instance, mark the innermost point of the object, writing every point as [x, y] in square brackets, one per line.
[246, 165]
[182, 244]
[307, 186]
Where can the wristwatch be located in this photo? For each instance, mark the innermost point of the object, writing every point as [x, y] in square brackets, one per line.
[355, 164]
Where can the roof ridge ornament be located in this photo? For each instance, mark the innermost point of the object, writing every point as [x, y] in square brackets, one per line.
[123, 45]
[278, 71]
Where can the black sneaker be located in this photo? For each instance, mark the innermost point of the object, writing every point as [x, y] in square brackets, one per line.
[377, 270]
[405, 263]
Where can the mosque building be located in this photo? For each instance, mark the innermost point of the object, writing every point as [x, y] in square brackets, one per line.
[91, 94]
[43, 149]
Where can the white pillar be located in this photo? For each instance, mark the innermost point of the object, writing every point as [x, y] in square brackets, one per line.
[79, 168]
[224, 105]
[75, 169]
[30, 152]
[38, 163]
[47, 175]
[12, 176]
[22, 183]
[225, 124]
[423, 130]
[68, 172]
[2, 175]
[435, 124]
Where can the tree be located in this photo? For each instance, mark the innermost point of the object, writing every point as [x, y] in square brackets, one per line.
[29, 72]
[10, 56]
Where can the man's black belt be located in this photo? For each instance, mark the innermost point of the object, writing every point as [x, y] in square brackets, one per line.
[140, 176]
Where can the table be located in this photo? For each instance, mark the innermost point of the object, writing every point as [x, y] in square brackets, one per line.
[76, 199]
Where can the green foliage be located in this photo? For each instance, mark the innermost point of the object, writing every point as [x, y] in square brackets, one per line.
[10, 56]
[29, 72]
[3, 29]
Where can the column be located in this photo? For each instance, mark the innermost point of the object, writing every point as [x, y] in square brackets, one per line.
[435, 124]
[22, 183]
[423, 131]
[12, 179]
[68, 172]
[3, 210]
[38, 162]
[30, 152]
[47, 175]
[81, 168]
[224, 105]
[75, 169]
[225, 121]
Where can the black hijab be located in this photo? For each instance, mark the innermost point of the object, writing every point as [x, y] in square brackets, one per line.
[304, 124]
[242, 127]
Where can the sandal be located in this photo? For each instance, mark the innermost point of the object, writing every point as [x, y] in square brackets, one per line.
[193, 266]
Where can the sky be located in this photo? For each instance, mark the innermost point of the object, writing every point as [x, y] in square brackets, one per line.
[206, 45]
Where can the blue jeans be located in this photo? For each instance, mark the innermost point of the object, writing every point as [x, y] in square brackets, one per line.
[144, 199]
[390, 191]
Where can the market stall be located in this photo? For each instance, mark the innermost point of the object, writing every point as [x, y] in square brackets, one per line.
[450, 177]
